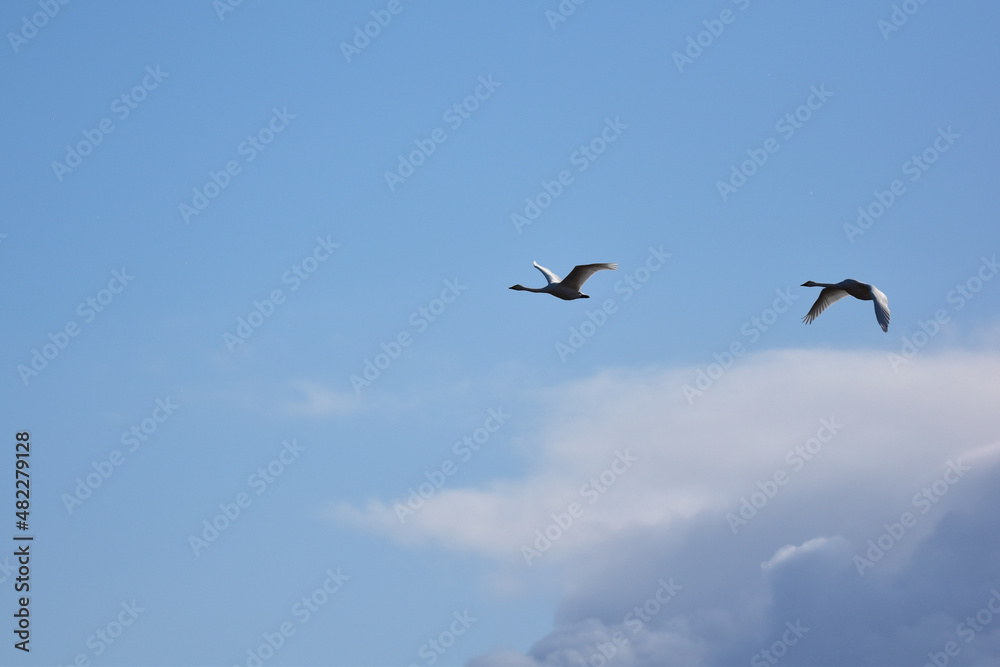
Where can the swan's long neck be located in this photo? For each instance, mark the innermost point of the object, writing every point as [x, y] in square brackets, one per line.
[529, 289]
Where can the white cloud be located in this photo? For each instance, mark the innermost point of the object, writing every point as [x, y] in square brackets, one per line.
[789, 552]
[891, 430]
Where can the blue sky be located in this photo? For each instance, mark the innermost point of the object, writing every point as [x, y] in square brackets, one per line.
[219, 218]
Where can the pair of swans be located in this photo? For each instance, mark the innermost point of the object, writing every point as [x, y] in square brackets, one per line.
[569, 289]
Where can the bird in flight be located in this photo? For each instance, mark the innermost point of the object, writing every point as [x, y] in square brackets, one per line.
[835, 292]
[568, 288]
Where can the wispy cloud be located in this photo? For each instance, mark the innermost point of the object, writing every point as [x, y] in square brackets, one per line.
[312, 399]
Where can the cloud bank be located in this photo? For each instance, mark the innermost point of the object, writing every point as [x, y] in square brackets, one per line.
[811, 507]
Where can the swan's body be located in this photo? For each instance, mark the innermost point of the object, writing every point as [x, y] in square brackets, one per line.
[835, 292]
[569, 287]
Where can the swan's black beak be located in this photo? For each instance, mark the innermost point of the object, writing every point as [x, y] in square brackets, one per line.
[584, 296]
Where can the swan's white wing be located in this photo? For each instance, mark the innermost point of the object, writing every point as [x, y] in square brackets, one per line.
[579, 275]
[828, 296]
[881, 308]
[549, 276]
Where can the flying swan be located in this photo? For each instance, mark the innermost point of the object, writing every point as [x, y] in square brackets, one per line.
[568, 288]
[835, 292]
